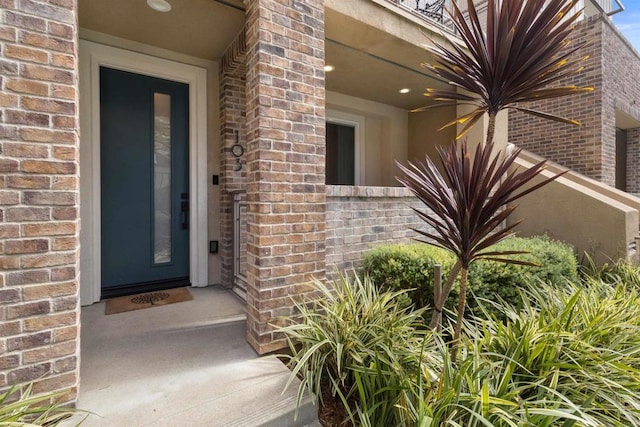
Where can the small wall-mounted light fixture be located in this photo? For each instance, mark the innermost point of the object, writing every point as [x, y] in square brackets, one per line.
[329, 68]
[213, 246]
[404, 90]
[159, 5]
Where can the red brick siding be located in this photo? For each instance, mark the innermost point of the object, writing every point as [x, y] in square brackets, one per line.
[39, 223]
[612, 70]
[621, 92]
[579, 148]
[633, 161]
[233, 104]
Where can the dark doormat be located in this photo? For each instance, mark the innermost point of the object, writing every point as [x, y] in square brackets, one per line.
[146, 300]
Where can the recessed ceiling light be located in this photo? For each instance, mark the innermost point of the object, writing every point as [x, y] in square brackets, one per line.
[329, 68]
[404, 90]
[159, 5]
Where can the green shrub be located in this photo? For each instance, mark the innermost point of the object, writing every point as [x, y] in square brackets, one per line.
[395, 267]
[408, 267]
[556, 262]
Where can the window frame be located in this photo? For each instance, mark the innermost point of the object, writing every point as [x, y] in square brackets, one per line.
[358, 123]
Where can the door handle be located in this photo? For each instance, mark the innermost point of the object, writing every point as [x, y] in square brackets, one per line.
[184, 210]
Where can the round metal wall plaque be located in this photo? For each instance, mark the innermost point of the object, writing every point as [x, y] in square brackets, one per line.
[237, 150]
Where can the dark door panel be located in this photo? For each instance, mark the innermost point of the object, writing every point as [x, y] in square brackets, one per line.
[144, 182]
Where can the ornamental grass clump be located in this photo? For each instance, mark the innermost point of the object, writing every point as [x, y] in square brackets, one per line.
[570, 356]
[20, 408]
[357, 349]
[580, 344]
[618, 271]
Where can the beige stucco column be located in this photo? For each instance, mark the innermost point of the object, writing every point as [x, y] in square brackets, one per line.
[479, 131]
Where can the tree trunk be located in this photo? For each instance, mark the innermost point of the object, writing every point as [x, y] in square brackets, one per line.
[462, 301]
[491, 128]
[436, 317]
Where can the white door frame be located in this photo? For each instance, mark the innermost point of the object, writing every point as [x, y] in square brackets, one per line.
[92, 57]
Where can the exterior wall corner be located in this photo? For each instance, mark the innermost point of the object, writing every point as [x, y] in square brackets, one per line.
[39, 196]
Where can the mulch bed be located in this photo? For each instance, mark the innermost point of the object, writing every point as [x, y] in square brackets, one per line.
[331, 412]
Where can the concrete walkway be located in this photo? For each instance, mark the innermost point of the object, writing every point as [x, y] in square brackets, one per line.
[184, 364]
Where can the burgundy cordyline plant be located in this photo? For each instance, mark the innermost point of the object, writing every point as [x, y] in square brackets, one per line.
[521, 55]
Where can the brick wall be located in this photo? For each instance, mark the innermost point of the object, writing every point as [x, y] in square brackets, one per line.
[233, 104]
[359, 218]
[285, 159]
[39, 224]
[612, 70]
[620, 93]
[579, 148]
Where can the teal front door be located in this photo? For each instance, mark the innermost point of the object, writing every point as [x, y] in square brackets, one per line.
[144, 172]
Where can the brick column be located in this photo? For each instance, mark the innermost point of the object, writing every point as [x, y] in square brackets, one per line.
[39, 224]
[285, 160]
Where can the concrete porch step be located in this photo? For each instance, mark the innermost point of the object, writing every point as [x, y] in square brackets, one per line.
[255, 400]
[185, 364]
[263, 403]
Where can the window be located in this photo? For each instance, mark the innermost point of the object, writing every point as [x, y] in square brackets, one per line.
[341, 154]
[621, 159]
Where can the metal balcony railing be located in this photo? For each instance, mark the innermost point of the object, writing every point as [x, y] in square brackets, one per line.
[432, 10]
[610, 7]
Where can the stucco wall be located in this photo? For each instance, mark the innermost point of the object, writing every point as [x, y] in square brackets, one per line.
[385, 136]
[424, 135]
[587, 214]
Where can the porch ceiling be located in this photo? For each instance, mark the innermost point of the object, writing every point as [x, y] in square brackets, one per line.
[370, 62]
[360, 74]
[374, 64]
[200, 28]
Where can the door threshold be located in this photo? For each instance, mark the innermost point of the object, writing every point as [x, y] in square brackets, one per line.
[139, 288]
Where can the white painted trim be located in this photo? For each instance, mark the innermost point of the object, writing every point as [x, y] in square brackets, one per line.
[357, 121]
[92, 57]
